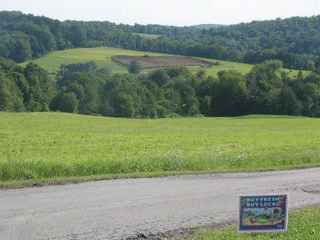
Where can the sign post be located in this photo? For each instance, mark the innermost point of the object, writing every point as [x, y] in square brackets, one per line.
[263, 213]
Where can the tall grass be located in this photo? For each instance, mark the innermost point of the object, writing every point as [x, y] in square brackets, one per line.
[48, 145]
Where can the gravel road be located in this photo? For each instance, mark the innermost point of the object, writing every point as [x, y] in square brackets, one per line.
[133, 208]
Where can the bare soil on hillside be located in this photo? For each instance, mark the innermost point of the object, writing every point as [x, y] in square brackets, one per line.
[161, 61]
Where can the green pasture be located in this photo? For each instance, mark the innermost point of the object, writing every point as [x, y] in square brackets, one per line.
[235, 66]
[50, 145]
[223, 66]
[102, 56]
[303, 224]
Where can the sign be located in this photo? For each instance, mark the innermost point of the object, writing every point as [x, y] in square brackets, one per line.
[261, 213]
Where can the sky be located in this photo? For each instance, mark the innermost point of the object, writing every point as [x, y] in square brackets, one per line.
[165, 12]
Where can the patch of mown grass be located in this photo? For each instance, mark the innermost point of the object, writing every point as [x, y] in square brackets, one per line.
[303, 224]
[102, 56]
[50, 145]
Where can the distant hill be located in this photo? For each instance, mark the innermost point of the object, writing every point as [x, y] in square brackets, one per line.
[295, 41]
[103, 58]
[207, 26]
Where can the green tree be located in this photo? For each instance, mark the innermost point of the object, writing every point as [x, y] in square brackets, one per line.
[21, 83]
[124, 105]
[189, 104]
[10, 96]
[288, 103]
[76, 34]
[230, 94]
[87, 82]
[42, 88]
[311, 93]
[21, 50]
[159, 76]
[134, 67]
[262, 82]
[69, 103]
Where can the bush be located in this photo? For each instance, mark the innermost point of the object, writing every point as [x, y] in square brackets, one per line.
[134, 67]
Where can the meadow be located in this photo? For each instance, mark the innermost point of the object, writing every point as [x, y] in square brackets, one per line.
[102, 56]
[48, 145]
[303, 224]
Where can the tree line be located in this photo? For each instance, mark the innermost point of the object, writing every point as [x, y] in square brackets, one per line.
[176, 91]
[294, 41]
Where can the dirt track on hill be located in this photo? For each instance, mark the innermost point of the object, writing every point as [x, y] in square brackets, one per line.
[155, 208]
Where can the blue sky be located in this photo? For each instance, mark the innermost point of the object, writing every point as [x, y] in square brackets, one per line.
[166, 12]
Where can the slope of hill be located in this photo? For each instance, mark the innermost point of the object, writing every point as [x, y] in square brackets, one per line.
[83, 86]
[102, 56]
[294, 41]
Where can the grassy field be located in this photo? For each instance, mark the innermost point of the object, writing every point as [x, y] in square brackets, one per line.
[52, 61]
[49, 145]
[102, 56]
[303, 224]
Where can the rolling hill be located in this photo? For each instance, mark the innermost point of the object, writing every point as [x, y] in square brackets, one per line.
[294, 41]
[102, 56]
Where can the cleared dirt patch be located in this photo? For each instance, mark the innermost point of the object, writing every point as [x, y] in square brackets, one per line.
[160, 61]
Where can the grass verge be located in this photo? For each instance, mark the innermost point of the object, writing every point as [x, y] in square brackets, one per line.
[303, 224]
[16, 184]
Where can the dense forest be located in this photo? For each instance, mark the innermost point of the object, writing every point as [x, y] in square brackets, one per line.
[294, 41]
[87, 89]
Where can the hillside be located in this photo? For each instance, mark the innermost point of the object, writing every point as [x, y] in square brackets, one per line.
[294, 41]
[102, 56]
[221, 90]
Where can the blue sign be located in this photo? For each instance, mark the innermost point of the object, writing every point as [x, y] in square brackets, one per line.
[263, 213]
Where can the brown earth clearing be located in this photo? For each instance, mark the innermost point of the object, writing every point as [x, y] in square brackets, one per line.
[161, 61]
